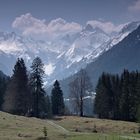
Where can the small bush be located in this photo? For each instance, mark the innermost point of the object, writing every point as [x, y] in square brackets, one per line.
[94, 129]
[77, 130]
[134, 132]
[139, 129]
[42, 138]
[45, 132]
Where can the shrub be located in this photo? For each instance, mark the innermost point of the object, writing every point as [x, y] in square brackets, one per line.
[94, 129]
[45, 132]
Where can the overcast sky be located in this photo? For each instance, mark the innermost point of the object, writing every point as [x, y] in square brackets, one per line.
[77, 11]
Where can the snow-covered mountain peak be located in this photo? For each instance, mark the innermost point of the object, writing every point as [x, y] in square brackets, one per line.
[129, 27]
[62, 57]
[89, 28]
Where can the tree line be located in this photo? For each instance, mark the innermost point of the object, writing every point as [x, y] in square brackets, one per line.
[118, 96]
[24, 94]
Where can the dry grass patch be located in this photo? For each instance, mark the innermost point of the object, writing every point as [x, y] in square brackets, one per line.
[83, 124]
[14, 127]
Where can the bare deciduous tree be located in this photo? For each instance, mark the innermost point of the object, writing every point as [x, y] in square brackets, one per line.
[79, 88]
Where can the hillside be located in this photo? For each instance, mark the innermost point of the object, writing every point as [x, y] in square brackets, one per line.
[17, 127]
[124, 55]
[14, 127]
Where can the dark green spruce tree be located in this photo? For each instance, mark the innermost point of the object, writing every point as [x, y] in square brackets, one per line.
[16, 99]
[3, 85]
[48, 107]
[103, 99]
[133, 96]
[125, 97]
[116, 90]
[138, 98]
[57, 100]
[98, 103]
[36, 87]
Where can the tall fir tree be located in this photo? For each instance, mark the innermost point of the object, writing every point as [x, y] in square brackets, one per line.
[36, 86]
[48, 107]
[103, 99]
[138, 98]
[98, 103]
[116, 90]
[57, 100]
[16, 97]
[3, 85]
[125, 106]
[133, 95]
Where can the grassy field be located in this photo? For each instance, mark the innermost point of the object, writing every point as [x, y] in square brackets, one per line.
[14, 127]
[83, 124]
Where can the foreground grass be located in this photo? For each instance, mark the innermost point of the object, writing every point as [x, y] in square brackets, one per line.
[14, 127]
[95, 137]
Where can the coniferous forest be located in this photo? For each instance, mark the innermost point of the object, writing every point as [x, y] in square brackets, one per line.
[24, 94]
[118, 96]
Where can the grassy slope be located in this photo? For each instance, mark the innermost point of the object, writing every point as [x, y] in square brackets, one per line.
[84, 124]
[14, 127]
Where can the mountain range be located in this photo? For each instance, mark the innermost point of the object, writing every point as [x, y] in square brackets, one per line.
[123, 55]
[62, 57]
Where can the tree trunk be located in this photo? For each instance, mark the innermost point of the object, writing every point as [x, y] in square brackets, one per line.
[81, 107]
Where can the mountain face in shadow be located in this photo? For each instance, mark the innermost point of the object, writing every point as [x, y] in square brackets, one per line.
[124, 55]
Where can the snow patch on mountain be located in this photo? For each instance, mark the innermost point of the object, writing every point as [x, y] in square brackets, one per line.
[119, 38]
[49, 69]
